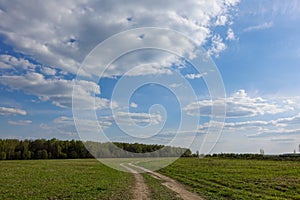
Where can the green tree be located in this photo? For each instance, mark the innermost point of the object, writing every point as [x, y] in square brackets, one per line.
[2, 155]
[187, 153]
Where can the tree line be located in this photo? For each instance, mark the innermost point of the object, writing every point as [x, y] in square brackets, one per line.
[13, 149]
[249, 156]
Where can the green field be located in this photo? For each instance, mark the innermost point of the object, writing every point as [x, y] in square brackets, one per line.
[62, 179]
[72, 179]
[212, 178]
[159, 192]
[216, 178]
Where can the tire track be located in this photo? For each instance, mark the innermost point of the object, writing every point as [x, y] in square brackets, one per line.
[141, 190]
[171, 184]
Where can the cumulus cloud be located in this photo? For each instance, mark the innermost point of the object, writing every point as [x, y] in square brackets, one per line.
[217, 45]
[230, 35]
[12, 62]
[12, 111]
[221, 20]
[60, 34]
[58, 91]
[48, 71]
[238, 104]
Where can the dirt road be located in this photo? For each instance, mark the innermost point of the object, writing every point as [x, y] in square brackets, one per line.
[141, 190]
[168, 182]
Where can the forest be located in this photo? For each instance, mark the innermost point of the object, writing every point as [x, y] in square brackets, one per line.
[13, 149]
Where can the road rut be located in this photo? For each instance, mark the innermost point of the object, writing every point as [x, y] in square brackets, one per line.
[170, 183]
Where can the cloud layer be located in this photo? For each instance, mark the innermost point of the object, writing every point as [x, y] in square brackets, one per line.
[60, 34]
[12, 111]
[239, 104]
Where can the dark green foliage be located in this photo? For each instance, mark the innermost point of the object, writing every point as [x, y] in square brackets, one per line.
[139, 148]
[11, 149]
[187, 153]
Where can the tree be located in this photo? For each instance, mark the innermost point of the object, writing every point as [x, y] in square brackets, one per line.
[25, 150]
[54, 149]
[2, 156]
[42, 154]
[187, 153]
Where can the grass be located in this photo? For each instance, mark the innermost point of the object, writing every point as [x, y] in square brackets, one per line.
[158, 191]
[62, 179]
[213, 178]
[216, 178]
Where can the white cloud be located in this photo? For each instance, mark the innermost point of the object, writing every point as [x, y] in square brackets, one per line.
[138, 118]
[133, 105]
[48, 71]
[147, 69]
[12, 111]
[64, 120]
[175, 85]
[60, 34]
[270, 129]
[57, 91]
[239, 104]
[230, 35]
[249, 135]
[295, 120]
[12, 62]
[217, 45]
[20, 122]
[263, 26]
[221, 20]
[195, 76]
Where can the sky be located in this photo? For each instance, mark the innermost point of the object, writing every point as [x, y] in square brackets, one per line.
[64, 73]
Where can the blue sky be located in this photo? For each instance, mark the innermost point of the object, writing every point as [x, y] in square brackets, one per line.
[254, 44]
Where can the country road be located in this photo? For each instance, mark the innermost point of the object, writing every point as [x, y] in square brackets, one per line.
[141, 190]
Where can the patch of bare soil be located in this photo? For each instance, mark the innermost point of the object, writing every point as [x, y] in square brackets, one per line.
[171, 184]
[140, 190]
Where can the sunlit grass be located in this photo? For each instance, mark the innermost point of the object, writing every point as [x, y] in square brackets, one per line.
[62, 179]
[237, 178]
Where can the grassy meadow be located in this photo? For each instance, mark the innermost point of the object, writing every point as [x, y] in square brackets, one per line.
[62, 179]
[212, 178]
[216, 178]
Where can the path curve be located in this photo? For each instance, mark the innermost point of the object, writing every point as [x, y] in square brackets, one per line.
[141, 190]
[171, 184]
